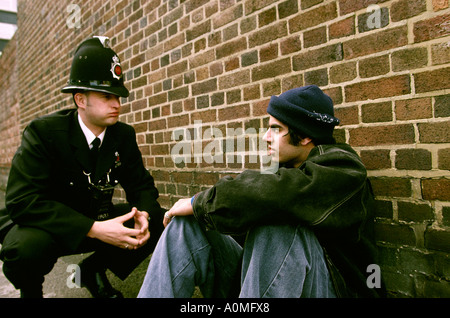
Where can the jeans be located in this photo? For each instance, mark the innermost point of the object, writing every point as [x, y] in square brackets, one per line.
[276, 261]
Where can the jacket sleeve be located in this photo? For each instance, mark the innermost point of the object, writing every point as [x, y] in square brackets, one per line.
[27, 196]
[314, 194]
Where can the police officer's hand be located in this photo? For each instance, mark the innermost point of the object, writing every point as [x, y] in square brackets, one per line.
[115, 233]
[141, 223]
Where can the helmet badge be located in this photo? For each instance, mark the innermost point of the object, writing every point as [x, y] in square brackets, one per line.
[116, 69]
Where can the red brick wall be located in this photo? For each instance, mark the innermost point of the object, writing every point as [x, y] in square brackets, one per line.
[220, 61]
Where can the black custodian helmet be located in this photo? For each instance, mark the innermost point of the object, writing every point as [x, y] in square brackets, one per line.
[96, 67]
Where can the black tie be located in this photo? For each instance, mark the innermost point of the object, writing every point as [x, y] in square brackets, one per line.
[94, 151]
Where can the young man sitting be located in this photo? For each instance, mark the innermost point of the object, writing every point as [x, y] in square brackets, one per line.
[309, 225]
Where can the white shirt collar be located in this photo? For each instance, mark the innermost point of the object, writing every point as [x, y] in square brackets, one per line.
[89, 134]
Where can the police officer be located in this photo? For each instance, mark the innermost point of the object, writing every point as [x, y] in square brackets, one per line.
[62, 179]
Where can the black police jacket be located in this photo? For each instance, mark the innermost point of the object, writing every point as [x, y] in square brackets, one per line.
[47, 187]
[329, 192]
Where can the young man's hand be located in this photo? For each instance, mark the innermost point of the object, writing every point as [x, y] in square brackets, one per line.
[182, 207]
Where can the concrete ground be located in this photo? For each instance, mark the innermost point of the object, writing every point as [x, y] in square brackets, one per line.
[56, 286]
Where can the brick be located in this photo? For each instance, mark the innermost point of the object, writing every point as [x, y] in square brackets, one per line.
[339, 135]
[347, 115]
[432, 80]
[374, 66]
[287, 8]
[405, 9]
[414, 212]
[227, 16]
[234, 112]
[249, 58]
[267, 34]
[255, 5]
[413, 159]
[417, 108]
[315, 37]
[204, 87]
[198, 30]
[335, 94]
[347, 6]
[252, 92]
[376, 159]
[376, 42]
[440, 4]
[391, 187]
[272, 69]
[268, 52]
[317, 57]
[157, 99]
[159, 124]
[409, 59]
[260, 108]
[305, 4]
[376, 112]
[437, 239]
[440, 53]
[434, 132]
[267, 17]
[342, 28]
[444, 159]
[317, 77]
[178, 93]
[206, 178]
[178, 121]
[395, 233]
[248, 24]
[177, 68]
[201, 59]
[432, 28]
[290, 45]
[174, 42]
[231, 47]
[441, 108]
[313, 17]
[291, 82]
[386, 87]
[235, 79]
[446, 215]
[436, 189]
[206, 116]
[383, 209]
[271, 88]
[382, 135]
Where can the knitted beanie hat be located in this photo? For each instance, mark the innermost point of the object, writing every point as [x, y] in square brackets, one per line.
[307, 110]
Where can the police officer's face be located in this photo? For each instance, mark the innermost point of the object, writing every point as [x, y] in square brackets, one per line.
[98, 110]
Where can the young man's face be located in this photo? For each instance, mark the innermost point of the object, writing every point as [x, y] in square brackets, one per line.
[280, 148]
[98, 110]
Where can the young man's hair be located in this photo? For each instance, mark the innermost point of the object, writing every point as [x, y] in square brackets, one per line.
[296, 137]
